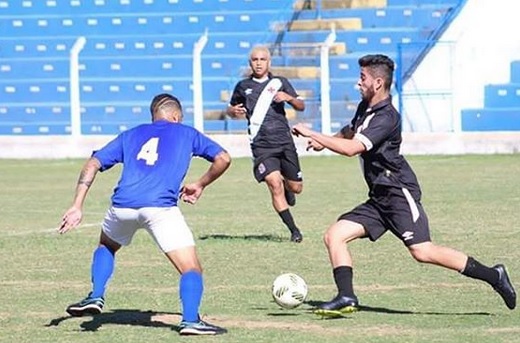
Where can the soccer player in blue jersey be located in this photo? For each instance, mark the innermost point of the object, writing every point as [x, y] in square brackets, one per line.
[155, 159]
[261, 98]
[394, 198]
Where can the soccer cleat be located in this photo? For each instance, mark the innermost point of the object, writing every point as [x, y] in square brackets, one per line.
[504, 287]
[290, 197]
[296, 236]
[199, 328]
[86, 306]
[338, 306]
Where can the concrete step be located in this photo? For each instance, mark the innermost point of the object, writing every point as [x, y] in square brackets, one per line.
[307, 49]
[326, 24]
[328, 4]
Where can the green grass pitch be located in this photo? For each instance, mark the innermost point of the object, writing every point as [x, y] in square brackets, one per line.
[473, 204]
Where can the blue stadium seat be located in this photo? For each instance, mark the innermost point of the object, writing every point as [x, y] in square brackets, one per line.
[218, 43]
[138, 48]
[364, 40]
[238, 43]
[425, 16]
[133, 89]
[35, 47]
[52, 7]
[515, 72]
[491, 119]
[340, 88]
[391, 3]
[141, 24]
[47, 91]
[159, 66]
[502, 96]
[34, 68]
[30, 118]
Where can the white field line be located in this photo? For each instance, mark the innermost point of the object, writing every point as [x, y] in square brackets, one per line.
[46, 231]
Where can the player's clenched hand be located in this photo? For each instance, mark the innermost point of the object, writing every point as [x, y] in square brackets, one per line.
[314, 145]
[70, 220]
[301, 129]
[238, 111]
[191, 192]
[282, 96]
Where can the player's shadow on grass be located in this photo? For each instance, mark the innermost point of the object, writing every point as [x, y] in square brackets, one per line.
[123, 317]
[271, 238]
[365, 308]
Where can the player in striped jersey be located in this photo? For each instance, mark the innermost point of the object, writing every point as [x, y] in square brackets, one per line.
[261, 99]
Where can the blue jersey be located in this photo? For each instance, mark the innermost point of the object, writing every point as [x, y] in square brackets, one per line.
[156, 158]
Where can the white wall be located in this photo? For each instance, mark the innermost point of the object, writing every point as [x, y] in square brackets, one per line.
[476, 50]
[55, 147]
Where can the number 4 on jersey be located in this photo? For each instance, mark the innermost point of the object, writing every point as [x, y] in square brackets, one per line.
[148, 151]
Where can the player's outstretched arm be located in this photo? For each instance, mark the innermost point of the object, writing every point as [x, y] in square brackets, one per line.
[74, 214]
[192, 191]
[338, 144]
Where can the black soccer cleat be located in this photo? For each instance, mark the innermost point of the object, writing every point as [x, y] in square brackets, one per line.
[199, 327]
[290, 197]
[296, 236]
[87, 306]
[338, 306]
[504, 287]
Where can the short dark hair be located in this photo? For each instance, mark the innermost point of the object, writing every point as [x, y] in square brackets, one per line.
[380, 66]
[161, 99]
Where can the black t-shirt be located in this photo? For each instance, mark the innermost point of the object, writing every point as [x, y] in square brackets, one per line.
[379, 129]
[274, 129]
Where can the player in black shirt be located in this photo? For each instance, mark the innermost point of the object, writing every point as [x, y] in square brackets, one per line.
[394, 202]
[261, 99]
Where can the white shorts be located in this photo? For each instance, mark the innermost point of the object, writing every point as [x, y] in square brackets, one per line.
[166, 225]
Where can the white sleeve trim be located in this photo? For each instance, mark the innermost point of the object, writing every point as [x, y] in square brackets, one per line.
[363, 139]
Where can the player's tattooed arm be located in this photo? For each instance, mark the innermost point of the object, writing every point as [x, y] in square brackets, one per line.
[85, 180]
[88, 173]
[74, 214]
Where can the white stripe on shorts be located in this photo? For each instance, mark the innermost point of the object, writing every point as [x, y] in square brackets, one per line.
[411, 204]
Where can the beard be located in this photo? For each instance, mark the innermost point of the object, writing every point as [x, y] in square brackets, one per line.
[368, 94]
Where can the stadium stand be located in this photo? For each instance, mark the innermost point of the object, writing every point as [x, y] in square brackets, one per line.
[137, 48]
[501, 111]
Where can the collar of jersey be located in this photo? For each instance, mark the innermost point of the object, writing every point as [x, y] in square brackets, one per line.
[379, 105]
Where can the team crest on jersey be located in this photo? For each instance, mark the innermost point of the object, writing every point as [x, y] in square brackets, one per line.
[261, 168]
[249, 91]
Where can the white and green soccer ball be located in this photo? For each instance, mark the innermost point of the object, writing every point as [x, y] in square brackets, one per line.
[289, 290]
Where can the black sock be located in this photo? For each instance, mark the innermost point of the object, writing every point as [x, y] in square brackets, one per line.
[288, 220]
[476, 270]
[343, 279]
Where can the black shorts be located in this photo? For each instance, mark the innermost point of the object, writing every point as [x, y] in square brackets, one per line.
[284, 159]
[393, 209]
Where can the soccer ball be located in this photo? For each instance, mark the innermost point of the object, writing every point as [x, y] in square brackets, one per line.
[289, 290]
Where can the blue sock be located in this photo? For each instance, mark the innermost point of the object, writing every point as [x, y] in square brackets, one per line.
[190, 290]
[102, 269]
